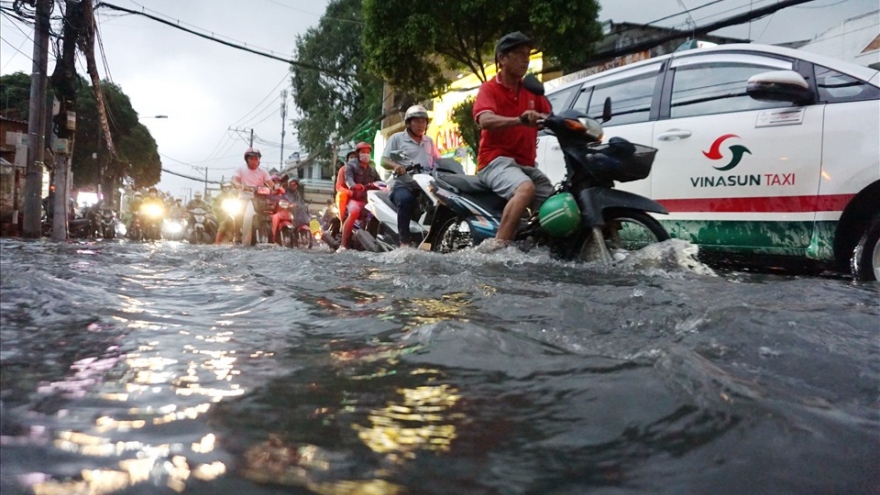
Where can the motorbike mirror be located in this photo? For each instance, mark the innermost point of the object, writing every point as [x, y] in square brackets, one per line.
[606, 110]
[533, 85]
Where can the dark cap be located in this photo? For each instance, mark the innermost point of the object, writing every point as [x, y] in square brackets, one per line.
[512, 40]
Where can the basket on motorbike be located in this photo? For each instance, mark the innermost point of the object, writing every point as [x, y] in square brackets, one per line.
[264, 201]
[621, 161]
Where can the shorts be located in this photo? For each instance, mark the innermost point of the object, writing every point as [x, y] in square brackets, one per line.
[503, 176]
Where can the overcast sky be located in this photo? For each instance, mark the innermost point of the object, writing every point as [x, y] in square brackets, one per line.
[206, 88]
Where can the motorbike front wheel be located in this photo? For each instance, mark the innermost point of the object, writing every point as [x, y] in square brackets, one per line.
[625, 230]
[109, 232]
[261, 234]
[454, 235]
[303, 239]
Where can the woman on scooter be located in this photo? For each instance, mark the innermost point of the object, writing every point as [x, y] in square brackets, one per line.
[360, 173]
[421, 150]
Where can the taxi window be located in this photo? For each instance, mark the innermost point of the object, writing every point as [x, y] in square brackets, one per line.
[713, 88]
[835, 87]
[630, 99]
[559, 100]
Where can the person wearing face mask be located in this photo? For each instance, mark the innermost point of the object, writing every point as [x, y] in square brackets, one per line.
[509, 117]
[360, 173]
[246, 180]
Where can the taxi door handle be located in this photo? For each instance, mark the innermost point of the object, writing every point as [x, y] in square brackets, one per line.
[673, 134]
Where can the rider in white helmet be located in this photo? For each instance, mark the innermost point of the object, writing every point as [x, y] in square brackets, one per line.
[246, 179]
[421, 150]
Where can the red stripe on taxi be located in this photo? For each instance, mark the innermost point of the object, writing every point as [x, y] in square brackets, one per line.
[767, 204]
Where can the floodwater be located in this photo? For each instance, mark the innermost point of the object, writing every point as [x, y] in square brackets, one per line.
[170, 368]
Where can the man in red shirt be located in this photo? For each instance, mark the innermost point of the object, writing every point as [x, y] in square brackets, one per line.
[508, 115]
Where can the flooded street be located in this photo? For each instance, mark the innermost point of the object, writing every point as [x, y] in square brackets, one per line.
[167, 368]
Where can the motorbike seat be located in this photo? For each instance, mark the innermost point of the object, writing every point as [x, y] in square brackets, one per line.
[385, 197]
[461, 183]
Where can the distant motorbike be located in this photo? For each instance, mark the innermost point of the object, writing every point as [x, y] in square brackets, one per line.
[292, 231]
[200, 226]
[151, 217]
[585, 219]
[174, 229]
[108, 223]
[363, 236]
[87, 225]
[265, 205]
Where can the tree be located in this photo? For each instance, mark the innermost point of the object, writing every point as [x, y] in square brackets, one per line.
[15, 91]
[463, 115]
[345, 101]
[139, 159]
[407, 44]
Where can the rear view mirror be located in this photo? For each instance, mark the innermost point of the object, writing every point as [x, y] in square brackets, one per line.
[533, 85]
[606, 110]
[780, 85]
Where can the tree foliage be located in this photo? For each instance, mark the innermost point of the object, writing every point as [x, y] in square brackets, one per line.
[463, 115]
[138, 153]
[15, 92]
[345, 106]
[139, 160]
[410, 45]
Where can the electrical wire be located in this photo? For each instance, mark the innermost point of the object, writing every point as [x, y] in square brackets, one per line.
[16, 49]
[325, 16]
[212, 37]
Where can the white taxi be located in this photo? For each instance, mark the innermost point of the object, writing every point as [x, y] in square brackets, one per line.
[763, 151]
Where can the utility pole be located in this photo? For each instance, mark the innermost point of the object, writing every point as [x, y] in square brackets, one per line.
[206, 177]
[252, 138]
[36, 128]
[64, 81]
[283, 123]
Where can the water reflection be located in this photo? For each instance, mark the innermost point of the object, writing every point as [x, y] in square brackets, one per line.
[419, 421]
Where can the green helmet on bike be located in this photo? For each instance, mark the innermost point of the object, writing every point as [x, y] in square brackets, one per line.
[560, 216]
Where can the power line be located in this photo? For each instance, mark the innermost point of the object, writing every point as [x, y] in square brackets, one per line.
[227, 43]
[271, 92]
[325, 16]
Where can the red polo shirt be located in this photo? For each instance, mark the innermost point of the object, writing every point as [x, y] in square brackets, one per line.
[519, 142]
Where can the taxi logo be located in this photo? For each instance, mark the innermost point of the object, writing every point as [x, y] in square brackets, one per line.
[737, 150]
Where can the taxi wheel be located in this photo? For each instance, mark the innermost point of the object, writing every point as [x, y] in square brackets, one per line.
[865, 262]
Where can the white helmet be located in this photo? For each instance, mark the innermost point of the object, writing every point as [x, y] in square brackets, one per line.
[415, 111]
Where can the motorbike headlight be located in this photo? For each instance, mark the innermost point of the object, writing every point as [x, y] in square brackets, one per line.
[283, 204]
[153, 210]
[121, 229]
[173, 227]
[200, 218]
[231, 206]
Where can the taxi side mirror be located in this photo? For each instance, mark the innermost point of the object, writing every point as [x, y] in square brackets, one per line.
[780, 85]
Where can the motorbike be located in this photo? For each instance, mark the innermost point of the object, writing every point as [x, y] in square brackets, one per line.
[151, 221]
[604, 220]
[108, 223]
[136, 230]
[363, 235]
[200, 227]
[231, 228]
[292, 231]
[265, 205]
[380, 205]
[87, 225]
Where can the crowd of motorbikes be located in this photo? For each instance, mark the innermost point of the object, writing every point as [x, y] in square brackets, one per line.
[586, 218]
[153, 221]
